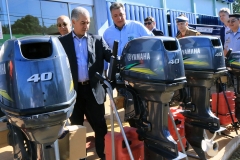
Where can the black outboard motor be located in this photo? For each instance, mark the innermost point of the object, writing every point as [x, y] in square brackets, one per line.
[233, 63]
[153, 69]
[37, 94]
[204, 63]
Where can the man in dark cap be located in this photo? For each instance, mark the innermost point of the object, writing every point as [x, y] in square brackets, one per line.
[150, 24]
[184, 31]
[232, 39]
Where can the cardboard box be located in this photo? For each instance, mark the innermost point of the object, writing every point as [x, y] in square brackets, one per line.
[73, 145]
[3, 134]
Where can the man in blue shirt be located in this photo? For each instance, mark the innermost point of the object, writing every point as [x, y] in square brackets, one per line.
[232, 39]
[123, 30]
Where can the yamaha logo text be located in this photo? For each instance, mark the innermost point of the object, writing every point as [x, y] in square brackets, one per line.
[138, 56]
[191, 51]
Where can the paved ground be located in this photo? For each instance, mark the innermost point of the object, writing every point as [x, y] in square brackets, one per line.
[6, 152]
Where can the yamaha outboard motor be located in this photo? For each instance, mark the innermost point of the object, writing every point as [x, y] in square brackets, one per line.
[204, 63]
[37, 94]
[233, 63]
[153, 69]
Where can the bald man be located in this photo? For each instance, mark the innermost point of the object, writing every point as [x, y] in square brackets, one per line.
[64, 25]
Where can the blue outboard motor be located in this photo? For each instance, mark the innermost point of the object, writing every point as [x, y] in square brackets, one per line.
[153, 69]
[204, 63]
[37, 94]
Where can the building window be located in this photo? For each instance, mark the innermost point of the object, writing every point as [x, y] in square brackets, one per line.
[36, 17]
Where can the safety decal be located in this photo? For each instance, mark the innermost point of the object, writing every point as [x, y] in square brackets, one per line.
[198, 63]
[143, 70]
[71, 86]
[4, 94]
[127, 67]
[235, 63]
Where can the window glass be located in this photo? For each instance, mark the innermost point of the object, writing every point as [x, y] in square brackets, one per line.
[25, 17]
[52, 10]
[5, 29]
[90, 10]
[35, 17]
[24, 7]
[3, 7]
[27, 25]
[50, 26]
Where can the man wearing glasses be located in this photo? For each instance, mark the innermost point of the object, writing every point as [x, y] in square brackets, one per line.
[64, 25]
[184, 31]
[150, 23]
[232, 39]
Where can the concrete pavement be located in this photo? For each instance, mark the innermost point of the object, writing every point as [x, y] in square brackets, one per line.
[6, 151]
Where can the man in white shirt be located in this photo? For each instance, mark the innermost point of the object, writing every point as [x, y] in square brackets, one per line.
[224, 16]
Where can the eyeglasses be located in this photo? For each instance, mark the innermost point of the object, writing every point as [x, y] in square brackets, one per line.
[232, 21]
[147, 23]
[62, 25]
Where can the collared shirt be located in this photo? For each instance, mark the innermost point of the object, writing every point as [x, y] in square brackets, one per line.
[130, 31]
[232, 40]
[80, 45]
[189, 32]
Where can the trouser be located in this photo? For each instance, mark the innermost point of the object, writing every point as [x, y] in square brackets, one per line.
[94, 112]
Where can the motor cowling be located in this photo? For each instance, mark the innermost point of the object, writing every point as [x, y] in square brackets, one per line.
[35, 76]
[152, 59]
[202, 53]
[36, 87]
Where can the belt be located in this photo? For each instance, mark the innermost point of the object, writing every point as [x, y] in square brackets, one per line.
[85, 82]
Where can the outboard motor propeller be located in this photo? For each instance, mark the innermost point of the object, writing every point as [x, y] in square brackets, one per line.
[204, 63]
[153, 69]
[37, 94]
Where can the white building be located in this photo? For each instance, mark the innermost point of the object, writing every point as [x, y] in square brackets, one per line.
[30, 17]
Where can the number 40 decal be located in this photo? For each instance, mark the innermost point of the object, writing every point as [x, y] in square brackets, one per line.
[174, 61]
[43, 77]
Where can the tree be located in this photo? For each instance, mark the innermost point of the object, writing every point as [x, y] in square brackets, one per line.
[236, 6]
[5, 29]
[27, 25]
[51, 29]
